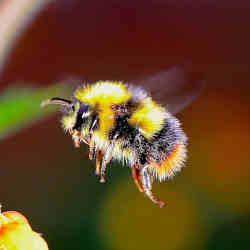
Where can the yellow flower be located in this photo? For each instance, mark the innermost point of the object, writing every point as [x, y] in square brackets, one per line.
[17, 234]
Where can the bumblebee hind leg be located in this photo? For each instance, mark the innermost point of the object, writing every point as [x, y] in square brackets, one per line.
[147, 182]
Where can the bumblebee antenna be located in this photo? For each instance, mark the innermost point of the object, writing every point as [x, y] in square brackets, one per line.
[57, 100]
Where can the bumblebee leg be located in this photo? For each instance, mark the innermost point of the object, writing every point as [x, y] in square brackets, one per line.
[90, 140]
[105, 160]
[136, 177]
[147, 185]
[99, 155]
[76, 136]
[91, 148]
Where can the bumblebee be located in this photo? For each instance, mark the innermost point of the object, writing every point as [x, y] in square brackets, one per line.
[122, 122]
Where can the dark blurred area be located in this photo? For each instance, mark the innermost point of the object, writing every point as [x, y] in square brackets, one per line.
[53, 184]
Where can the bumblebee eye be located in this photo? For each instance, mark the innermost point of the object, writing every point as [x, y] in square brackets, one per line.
[82, 115]
[84, 111]
[85, 114]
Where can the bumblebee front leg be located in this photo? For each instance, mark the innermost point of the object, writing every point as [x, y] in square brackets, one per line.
[147, 182]
[137, 178]
[76, 136]
[90, 139]
[105, 160]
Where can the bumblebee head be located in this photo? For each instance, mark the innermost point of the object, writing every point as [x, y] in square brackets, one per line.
[76, 113]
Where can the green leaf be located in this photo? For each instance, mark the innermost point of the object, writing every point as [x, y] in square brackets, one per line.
[20, 107]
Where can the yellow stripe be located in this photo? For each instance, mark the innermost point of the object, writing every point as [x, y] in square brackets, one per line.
[103, 93]
[149, 118]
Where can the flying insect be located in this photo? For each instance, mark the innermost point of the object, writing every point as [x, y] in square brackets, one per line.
[123, 122]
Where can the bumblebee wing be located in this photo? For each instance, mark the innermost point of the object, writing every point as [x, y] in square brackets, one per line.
[176, 88]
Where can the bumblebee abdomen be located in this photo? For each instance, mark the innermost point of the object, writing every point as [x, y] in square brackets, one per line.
[168, 150]
[172, 163]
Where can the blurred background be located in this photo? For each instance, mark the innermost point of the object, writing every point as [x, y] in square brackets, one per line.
[53, 184]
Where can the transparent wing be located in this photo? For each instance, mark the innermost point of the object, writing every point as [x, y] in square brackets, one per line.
[176, 88]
